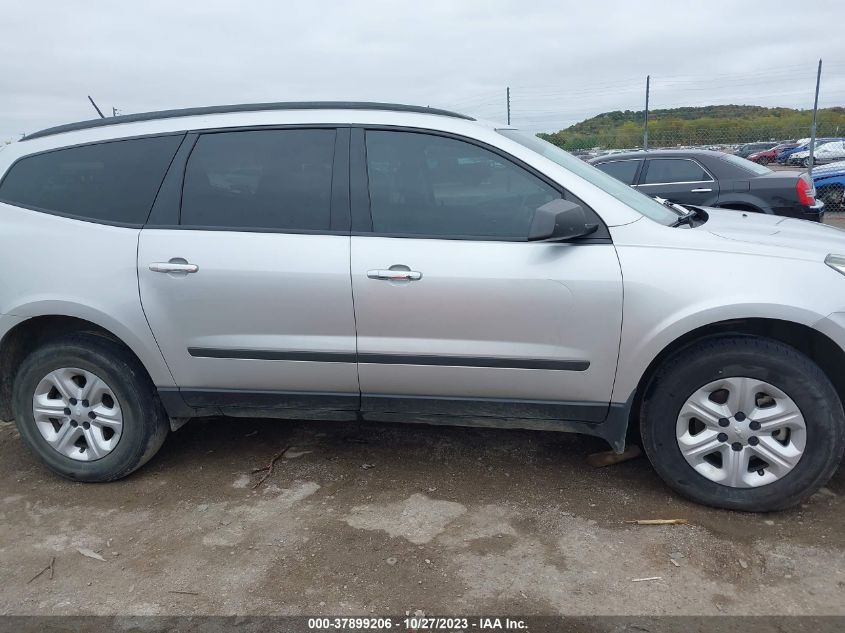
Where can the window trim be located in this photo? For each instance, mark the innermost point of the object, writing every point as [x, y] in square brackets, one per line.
[339, 217]
[362, 223]
[84, 218]
[637, 173]
[645, 167]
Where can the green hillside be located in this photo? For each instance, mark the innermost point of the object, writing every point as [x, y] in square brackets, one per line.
[697, 126]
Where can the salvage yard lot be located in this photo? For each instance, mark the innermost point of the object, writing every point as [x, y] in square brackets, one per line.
[385, 519]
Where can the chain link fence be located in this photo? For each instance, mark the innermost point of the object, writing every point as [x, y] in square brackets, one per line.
[692, 112]
[778, 141]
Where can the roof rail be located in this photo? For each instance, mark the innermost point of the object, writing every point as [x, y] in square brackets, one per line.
[242, 107]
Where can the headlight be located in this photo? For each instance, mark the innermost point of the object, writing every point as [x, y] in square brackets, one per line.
[837, 262]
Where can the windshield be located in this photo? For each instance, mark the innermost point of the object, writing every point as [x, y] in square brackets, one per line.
[747, 165]
[619, 190]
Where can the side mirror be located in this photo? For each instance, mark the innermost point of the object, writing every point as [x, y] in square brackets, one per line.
[558, 221]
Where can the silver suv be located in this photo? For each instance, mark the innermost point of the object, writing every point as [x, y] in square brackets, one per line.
[346, 260]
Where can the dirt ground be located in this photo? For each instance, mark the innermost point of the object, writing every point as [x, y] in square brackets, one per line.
[388, 519]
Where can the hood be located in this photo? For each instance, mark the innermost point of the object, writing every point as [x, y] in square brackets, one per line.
[822, 171]
[808, 240]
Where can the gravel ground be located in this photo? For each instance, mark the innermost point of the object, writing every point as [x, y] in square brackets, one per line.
[835, 219]
[388, 519]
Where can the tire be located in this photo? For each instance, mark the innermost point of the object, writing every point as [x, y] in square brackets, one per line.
[144, 423]
[764, 161]
[805, 162]
[762, 360]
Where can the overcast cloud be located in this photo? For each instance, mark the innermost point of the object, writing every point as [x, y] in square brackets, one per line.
[564, 61]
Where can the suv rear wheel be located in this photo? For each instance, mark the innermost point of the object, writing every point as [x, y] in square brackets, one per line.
[86, 407]
[743, 423]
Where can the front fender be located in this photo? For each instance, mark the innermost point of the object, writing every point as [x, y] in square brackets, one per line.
[677, 281]
[637, 353]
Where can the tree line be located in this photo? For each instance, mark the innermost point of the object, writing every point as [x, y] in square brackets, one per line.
[707, 125]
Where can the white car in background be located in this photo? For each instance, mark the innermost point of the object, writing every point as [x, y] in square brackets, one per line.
[826, 153]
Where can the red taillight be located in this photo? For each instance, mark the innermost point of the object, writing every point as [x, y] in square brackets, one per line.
[806, 191]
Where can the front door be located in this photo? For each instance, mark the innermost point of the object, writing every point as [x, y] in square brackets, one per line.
[456, 312]
[249, 294]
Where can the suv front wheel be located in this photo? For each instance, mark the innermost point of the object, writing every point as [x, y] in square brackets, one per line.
[743, 423]
[84, 404]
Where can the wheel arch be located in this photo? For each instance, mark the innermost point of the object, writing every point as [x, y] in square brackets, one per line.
[742, 205]
[34, 331]
[816, 345]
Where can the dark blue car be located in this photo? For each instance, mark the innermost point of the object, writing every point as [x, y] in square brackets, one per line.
[830, 185]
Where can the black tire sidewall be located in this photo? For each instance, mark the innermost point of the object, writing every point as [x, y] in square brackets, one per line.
[775, 363]
[142, 417]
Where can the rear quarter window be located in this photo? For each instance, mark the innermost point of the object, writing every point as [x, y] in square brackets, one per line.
[114, 182]
[624, 170]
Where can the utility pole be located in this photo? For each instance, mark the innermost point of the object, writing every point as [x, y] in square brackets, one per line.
[508, 100]
[645, 122]
[815, 114]
[102, 116]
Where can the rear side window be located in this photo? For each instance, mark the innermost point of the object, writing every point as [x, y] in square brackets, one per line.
[114, 182]
[667, 170]
[268, 179]
[422, 184]
[624, 170]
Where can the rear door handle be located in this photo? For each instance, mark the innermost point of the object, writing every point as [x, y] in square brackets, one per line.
[395, 275]
[176, 265]
[704, 190]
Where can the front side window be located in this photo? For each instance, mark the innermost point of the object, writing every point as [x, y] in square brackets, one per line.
[422, 184]
[625, 194]
[112, 182]
[669, 170]
[624, 170]
[267, 179]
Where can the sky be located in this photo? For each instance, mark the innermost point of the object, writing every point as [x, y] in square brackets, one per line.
[564, 61]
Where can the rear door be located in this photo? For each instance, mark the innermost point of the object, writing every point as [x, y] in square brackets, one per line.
[456, 312]
[682, 180]
[244, 270]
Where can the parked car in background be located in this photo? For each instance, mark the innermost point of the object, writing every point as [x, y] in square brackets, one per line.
[830, 185]
[825, 153]
[803, 145]
[203, 262]
[767, 156]
[584, 154]
[715, 179]
[750, 148]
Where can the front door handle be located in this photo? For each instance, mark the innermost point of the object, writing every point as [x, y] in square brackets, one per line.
[703, 190]
[175, 265]
[395, 275]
